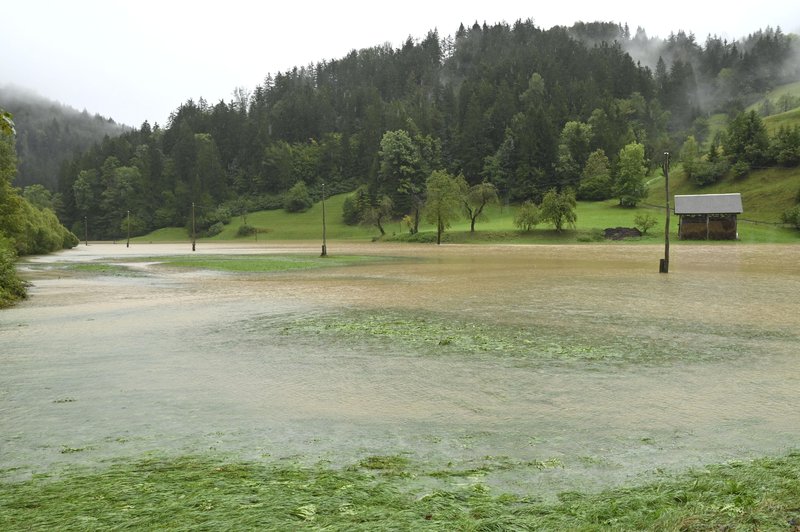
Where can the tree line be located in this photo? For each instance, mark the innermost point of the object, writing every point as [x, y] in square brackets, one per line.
[526, 109]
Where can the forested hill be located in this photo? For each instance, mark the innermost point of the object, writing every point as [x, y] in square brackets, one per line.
[49, 133]
[518, 105]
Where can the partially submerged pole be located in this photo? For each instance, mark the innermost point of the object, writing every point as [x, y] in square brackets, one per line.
[324, 239]
[128, 243]
[193, 233]
[664, 265]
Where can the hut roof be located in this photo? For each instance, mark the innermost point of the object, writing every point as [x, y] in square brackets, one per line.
[709, 204]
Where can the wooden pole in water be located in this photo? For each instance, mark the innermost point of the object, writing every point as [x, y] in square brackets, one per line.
[86, 230]
[128, 243]
[193, 233]
[664, 266]
[324, 239]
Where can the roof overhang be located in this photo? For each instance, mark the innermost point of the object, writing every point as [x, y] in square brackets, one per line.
[709, 204]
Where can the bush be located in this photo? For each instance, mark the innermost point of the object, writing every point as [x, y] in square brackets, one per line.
[267, 202]
[644, 222]
[707, 172]
[792, 217]
[245, 230]
[210, 224]
[12, 288]
[427, 237]
[741, 169]
[351, 213]
[215, 229]
[595, 188]
[297, 198]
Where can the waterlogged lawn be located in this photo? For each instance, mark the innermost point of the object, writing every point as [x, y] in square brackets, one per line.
[261, 263]
[449, 334]
[88, 268]
[383, 492]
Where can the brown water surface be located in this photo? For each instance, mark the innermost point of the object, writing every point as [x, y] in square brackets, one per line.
[97, 366]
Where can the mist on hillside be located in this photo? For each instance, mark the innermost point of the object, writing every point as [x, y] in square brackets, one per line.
[49, 133]
[769, 54]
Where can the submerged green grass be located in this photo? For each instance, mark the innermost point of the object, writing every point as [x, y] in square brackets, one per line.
[604, 339]
[384, 493]
[88, 268]
[261, 263]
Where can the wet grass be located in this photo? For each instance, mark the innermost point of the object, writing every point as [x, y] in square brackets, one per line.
[384, 493]
[261, 263]
[605, 340]
[89, 268]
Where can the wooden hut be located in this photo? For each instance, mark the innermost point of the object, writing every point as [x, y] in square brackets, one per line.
[708, 216]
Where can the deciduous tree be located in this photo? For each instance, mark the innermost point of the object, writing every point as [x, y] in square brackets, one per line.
[476, 199]
[527, 217]
[596, 183]
[445, 197]
[558, 208]
[378, 212]
[629, 186]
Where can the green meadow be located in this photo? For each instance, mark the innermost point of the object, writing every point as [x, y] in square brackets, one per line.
[766, 194]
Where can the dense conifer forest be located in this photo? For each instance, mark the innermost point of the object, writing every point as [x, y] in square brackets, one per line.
[522, 107]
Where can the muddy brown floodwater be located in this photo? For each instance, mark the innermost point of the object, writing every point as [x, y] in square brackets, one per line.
[98, 366]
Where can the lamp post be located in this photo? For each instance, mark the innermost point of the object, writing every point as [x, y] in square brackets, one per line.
[193, 232]
[324, 239]
[128, 243]
[664, 266]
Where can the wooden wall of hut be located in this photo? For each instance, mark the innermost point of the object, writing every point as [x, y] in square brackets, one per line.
[708, 227]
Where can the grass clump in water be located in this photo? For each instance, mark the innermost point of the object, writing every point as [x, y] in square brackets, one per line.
[88, 268]
[440, 334]
[432, 333]
[196, 492]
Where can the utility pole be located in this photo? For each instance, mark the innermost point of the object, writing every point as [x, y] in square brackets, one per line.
[128, 243]
[193, 233]
[324, 239]
[664, 266]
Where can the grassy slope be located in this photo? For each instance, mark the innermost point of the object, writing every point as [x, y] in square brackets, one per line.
[788, 119]
[791, 117]
[766, 194]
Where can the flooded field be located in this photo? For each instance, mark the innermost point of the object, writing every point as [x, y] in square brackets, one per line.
[562, 367]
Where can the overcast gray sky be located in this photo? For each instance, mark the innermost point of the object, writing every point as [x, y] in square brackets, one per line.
[136, 61]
